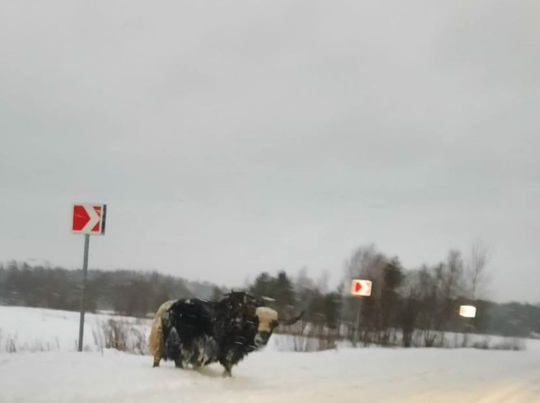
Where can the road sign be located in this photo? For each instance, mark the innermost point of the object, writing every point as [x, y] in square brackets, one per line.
[89, 219]
[361, 288]
[467, 311]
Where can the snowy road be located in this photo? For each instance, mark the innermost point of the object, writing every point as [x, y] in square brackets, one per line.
[374, 375]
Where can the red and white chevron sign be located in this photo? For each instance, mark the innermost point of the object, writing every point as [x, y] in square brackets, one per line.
[89, 219]
[361, 288]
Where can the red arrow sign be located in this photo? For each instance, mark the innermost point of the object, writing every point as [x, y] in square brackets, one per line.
[357, 286]
[361, 288]
[89, 219]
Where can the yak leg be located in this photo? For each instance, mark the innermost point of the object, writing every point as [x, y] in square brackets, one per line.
[156, 362]
[155, 342]
[227, 372]
[174, 350]
[227, 363]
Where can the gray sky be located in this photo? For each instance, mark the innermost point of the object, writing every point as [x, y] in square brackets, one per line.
[231, 137]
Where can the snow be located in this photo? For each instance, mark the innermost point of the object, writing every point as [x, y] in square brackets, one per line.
[60, 374]
[37, 329]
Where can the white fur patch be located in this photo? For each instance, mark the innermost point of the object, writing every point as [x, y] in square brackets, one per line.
[266, 317]
[155, 340]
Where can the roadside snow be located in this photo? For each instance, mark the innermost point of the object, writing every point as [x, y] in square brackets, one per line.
[347, 375]
[38, 329]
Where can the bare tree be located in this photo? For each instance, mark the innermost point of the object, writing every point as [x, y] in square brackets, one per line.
[413, 294]
[322, 282]
[303, 281]
[453, 280]
[376, 314]
[429, 296]
[359, 259]
[476, 271]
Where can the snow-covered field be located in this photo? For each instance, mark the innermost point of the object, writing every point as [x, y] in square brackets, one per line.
[46, 368]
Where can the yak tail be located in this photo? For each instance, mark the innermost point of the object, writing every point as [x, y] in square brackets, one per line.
[155, 340]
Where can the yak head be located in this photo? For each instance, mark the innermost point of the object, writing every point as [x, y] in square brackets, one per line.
[263, 320]
[268, 319]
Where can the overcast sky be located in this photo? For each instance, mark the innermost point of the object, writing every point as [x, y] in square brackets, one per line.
[232, 137]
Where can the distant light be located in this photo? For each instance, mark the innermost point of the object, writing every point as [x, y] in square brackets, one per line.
[467, 311]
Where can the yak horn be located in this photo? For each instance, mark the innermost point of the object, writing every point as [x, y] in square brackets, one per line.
[291, 320]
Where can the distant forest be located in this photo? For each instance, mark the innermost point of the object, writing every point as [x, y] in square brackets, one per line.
[406, 305]
[125, 292]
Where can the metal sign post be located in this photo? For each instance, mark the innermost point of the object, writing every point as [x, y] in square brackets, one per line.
[359, 288]
[88, 219]
[468, 312]
[357, 323]
[83, 293]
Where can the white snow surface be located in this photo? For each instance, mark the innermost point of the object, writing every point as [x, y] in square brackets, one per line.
[60, 374]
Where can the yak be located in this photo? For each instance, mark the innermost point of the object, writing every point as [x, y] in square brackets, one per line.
[195, 332]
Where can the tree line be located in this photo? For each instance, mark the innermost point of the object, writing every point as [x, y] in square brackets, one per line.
[125, 292]
[407, 307]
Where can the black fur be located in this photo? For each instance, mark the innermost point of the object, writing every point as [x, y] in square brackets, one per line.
[198, 332]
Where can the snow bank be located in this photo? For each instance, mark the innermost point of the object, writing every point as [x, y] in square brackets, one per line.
[269, 376]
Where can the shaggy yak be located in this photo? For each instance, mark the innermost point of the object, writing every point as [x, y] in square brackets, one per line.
[195, 332]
